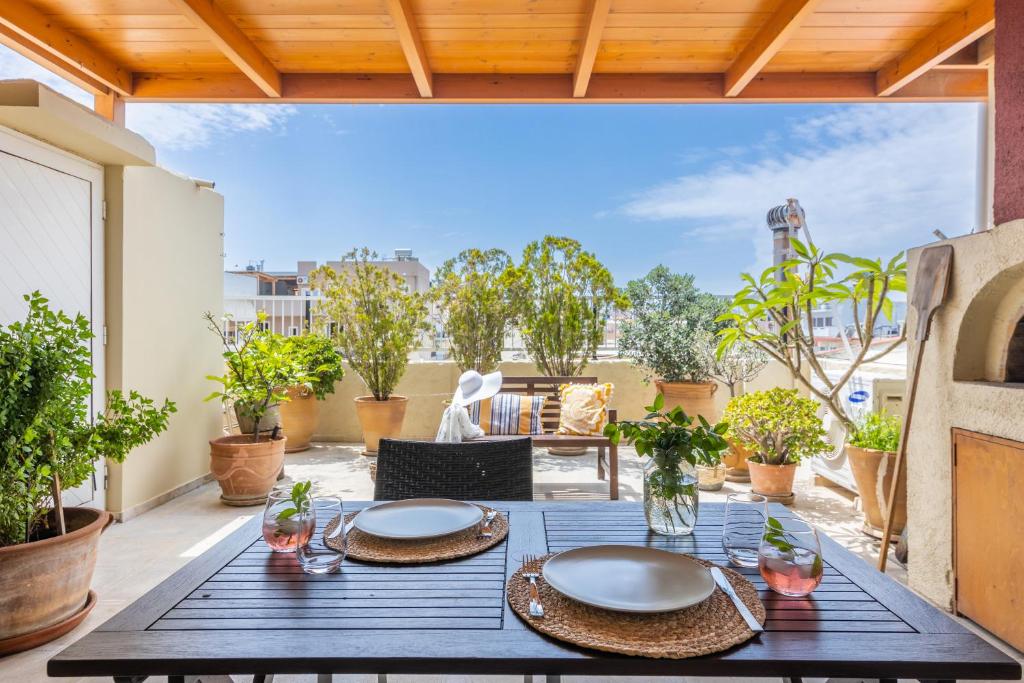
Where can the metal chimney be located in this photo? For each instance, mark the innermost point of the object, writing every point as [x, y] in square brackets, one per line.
[784, 222]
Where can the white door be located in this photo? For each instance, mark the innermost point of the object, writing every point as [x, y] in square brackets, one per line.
[51, 240]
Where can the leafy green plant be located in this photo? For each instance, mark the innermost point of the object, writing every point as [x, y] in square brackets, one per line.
[300, 501]
[777, 315]
[377, 320]
[260, 367]
[47, 439]
[321, 362]
[778, 425]
[669, 316]
[878, 431]
[563, 297]
[473, 295]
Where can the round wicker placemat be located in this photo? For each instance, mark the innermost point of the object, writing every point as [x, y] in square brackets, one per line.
[369, 548]
[711, 626]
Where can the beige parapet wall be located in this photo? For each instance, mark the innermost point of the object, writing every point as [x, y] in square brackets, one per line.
[428, 383]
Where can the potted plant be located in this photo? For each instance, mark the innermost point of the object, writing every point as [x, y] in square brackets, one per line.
[377, 323]
[669, 318]
[323, 367]
[260, 366]
[674, 447]
[872, 453]
[50, 442]
[779, 427]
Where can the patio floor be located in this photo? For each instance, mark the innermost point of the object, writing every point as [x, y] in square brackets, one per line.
[139, 554]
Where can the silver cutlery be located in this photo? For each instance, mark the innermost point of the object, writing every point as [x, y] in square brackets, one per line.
[485, 526]
[744, 611]
[531, 570]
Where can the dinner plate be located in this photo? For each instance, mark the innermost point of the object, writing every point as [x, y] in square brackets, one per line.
[628, 578]
[418, 518]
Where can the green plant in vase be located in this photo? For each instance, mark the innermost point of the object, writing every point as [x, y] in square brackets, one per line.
[674, 446]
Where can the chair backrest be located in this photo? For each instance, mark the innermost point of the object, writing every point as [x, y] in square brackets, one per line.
[544, 386]
[472, 470]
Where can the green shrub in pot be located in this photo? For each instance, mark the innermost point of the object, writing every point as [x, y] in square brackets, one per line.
[878, 431]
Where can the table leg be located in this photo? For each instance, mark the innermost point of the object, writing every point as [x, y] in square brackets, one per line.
[131, 679]
[613, 469]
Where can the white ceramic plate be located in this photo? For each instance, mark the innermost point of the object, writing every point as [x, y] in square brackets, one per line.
[418, 518]
[629, 578]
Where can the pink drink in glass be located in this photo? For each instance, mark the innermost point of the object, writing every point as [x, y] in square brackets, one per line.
[281, 535]
[795, 573]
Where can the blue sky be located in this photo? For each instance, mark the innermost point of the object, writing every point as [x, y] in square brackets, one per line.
[687, 186]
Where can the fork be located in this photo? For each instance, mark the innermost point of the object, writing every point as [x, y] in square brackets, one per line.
[531, 570]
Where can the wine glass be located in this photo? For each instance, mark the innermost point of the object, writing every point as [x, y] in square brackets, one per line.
[789, 557]
[320, 554]
[281, 529]
[745, 515]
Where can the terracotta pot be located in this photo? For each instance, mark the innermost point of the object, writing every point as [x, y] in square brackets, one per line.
[44, 585]
[771, 480]
[380, 419]
[695, 398]
[299, 418]
[873, 472]
[710, 478]
[245, 469]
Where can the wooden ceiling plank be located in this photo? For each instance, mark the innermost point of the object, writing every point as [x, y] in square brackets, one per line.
[941, 43]
[768, 41]
[220, 29]
[412, 45]
[596, 19]
[33, 34]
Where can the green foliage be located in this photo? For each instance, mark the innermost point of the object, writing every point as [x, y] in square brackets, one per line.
[473, 294]
[669, 317]
[260, 365]
[778, 425]
[321, 362]
[45, 427]
[776, 316]
[563, 297]
[377, 320]
[879, 431]
[300, 500]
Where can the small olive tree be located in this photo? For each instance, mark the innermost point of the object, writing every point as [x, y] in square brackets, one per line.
[563, 297]
[737, 365]
[377, 321]
[476, 307]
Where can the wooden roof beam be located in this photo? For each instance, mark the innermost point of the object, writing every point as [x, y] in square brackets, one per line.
[943, 42]
[412, 45]
[31, 33]
[596, 19]
[766, 43]
[233, 43]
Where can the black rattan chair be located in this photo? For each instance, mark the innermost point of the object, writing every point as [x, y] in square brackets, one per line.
[472, 470]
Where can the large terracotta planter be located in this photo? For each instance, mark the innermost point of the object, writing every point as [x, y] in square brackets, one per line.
[695, 398]
[245, 469]
[775, 482]
[380, 419]
[44, 585]
[299, 418]
[873, 472]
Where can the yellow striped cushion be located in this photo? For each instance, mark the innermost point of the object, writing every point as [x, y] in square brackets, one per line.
[509, 414]
[584, 408]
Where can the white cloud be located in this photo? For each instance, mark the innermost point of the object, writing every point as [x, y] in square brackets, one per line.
[167, 126]
[872, 178]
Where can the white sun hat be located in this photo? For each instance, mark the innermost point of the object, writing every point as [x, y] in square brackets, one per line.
[476, 387]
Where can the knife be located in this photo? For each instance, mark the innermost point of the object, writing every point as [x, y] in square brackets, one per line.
[744, 611]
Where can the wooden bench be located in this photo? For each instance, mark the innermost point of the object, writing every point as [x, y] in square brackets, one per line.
[607, 452]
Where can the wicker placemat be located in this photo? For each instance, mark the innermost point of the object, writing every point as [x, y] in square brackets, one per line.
[711, 626]
[369, 548]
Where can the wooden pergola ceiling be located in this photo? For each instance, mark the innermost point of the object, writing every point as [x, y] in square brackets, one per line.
[509, 50]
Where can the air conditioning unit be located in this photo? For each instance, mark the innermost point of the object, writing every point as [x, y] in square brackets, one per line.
[301, 280]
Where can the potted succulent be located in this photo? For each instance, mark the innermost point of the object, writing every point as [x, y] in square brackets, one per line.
[260, 366]
[50, 442]
[301, 412]
[674, 446]
[779, 427]
[669, 318]
[377, 323]
[872, 453]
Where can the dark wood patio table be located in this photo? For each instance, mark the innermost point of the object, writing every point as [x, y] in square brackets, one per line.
[240, 609]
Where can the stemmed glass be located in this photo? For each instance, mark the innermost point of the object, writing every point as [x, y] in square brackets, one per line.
[281, 528]
[745, 516]
[790, 557]
[315, 555]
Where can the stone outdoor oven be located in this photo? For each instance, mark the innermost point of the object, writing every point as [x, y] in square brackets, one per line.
[965, 464]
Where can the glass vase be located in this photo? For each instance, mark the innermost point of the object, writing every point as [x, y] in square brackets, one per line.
[670, 496]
